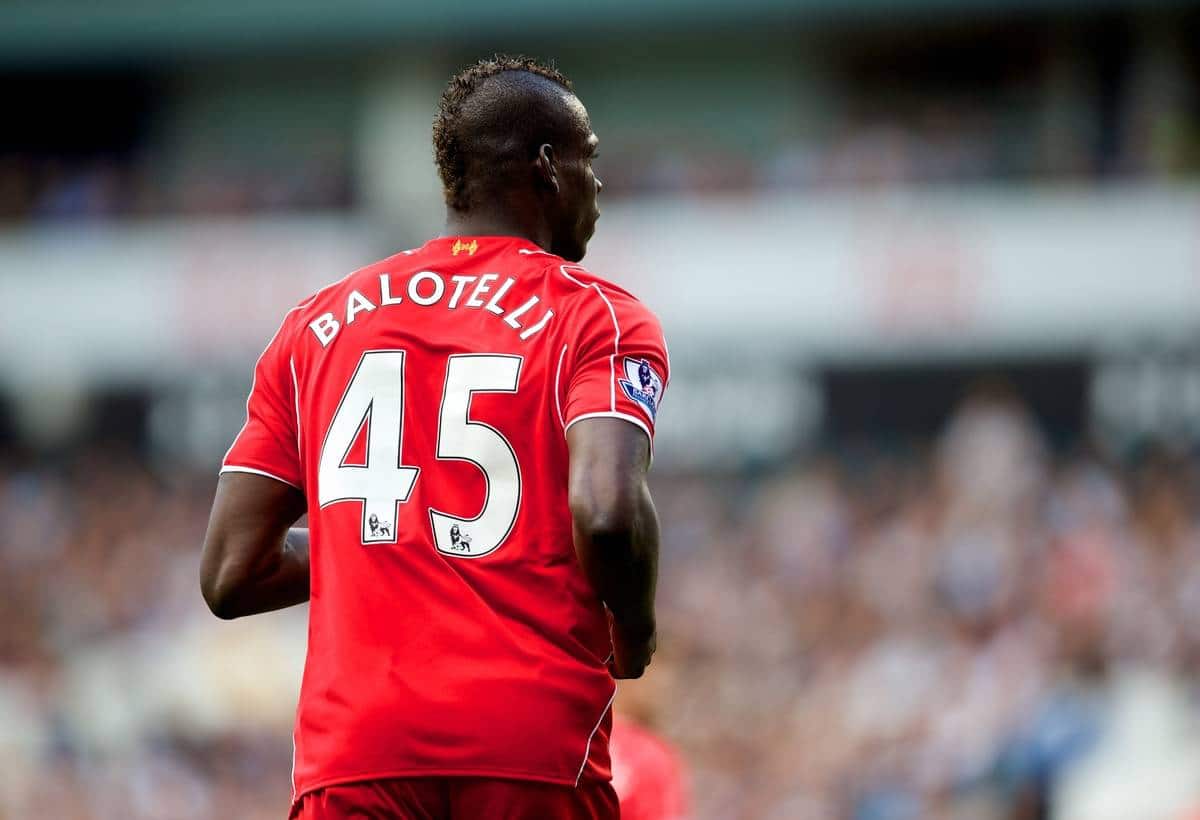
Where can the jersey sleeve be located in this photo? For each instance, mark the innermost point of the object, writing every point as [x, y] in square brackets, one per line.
[268, 443]
[620, 367]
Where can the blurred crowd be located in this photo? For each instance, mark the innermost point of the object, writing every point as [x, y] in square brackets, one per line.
[929, 106]
[943, 141]
[49, 188]
[117, 698]
[979, 629]
[976, 627]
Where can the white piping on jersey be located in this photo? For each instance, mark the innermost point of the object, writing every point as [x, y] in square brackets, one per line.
[612, 360]
[666, 353]
[296, 398]
[614, 414]
[557, 403]
[588, 749]
[237, 468]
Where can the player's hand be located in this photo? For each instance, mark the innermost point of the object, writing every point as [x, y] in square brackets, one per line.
[632, 650]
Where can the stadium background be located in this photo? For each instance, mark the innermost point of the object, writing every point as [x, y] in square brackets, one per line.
[928, 469]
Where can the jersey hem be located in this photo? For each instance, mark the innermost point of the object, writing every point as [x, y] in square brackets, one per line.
[391, 774]
[610, 414]
[237, 468]
[587, 750]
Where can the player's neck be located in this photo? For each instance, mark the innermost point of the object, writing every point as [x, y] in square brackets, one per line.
[495, 223]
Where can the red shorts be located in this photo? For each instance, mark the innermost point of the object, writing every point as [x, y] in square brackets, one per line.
[455, 798]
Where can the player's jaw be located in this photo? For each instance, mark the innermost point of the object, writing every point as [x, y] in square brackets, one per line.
[577, 224]
[575, 246]
[588, 227]
[586, 214]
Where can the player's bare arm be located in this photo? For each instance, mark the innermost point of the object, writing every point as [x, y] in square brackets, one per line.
[251, 562]
[616, 532]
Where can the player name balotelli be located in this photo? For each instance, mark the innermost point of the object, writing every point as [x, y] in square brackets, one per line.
[431, 289]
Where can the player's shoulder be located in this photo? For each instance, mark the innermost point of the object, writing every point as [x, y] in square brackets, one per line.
[335, 292]
[576, 277]
[339, 287]
[587, 291]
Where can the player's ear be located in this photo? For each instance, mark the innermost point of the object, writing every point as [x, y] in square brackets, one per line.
[546, 167]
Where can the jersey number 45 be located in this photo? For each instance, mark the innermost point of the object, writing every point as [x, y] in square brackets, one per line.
[374, 398]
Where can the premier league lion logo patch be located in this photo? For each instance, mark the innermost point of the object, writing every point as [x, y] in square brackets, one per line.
[642, 385]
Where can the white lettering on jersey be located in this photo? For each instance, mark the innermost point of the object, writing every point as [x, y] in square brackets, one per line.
[356, 303]
[511, 319]
[426, 289]
[325, 327]
[460, 282]
[414, 288]
[541, 323]
[480, 289]
[385, 291]
[493, 304]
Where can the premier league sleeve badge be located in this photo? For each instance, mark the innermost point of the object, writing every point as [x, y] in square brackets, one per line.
[642, 385]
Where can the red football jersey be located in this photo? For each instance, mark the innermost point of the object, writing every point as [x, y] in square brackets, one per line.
[421, 405]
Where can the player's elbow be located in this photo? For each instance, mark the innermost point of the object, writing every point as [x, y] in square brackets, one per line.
[219, 599]
[221, 585]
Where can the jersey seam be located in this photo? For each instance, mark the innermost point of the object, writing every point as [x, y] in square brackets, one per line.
[296, 403]
[587, 750]
[612, 359]
[557, 390]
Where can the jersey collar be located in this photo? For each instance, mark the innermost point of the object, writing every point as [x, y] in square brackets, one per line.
[464, 245]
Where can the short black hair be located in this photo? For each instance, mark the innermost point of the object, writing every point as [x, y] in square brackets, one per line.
[493, 112]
